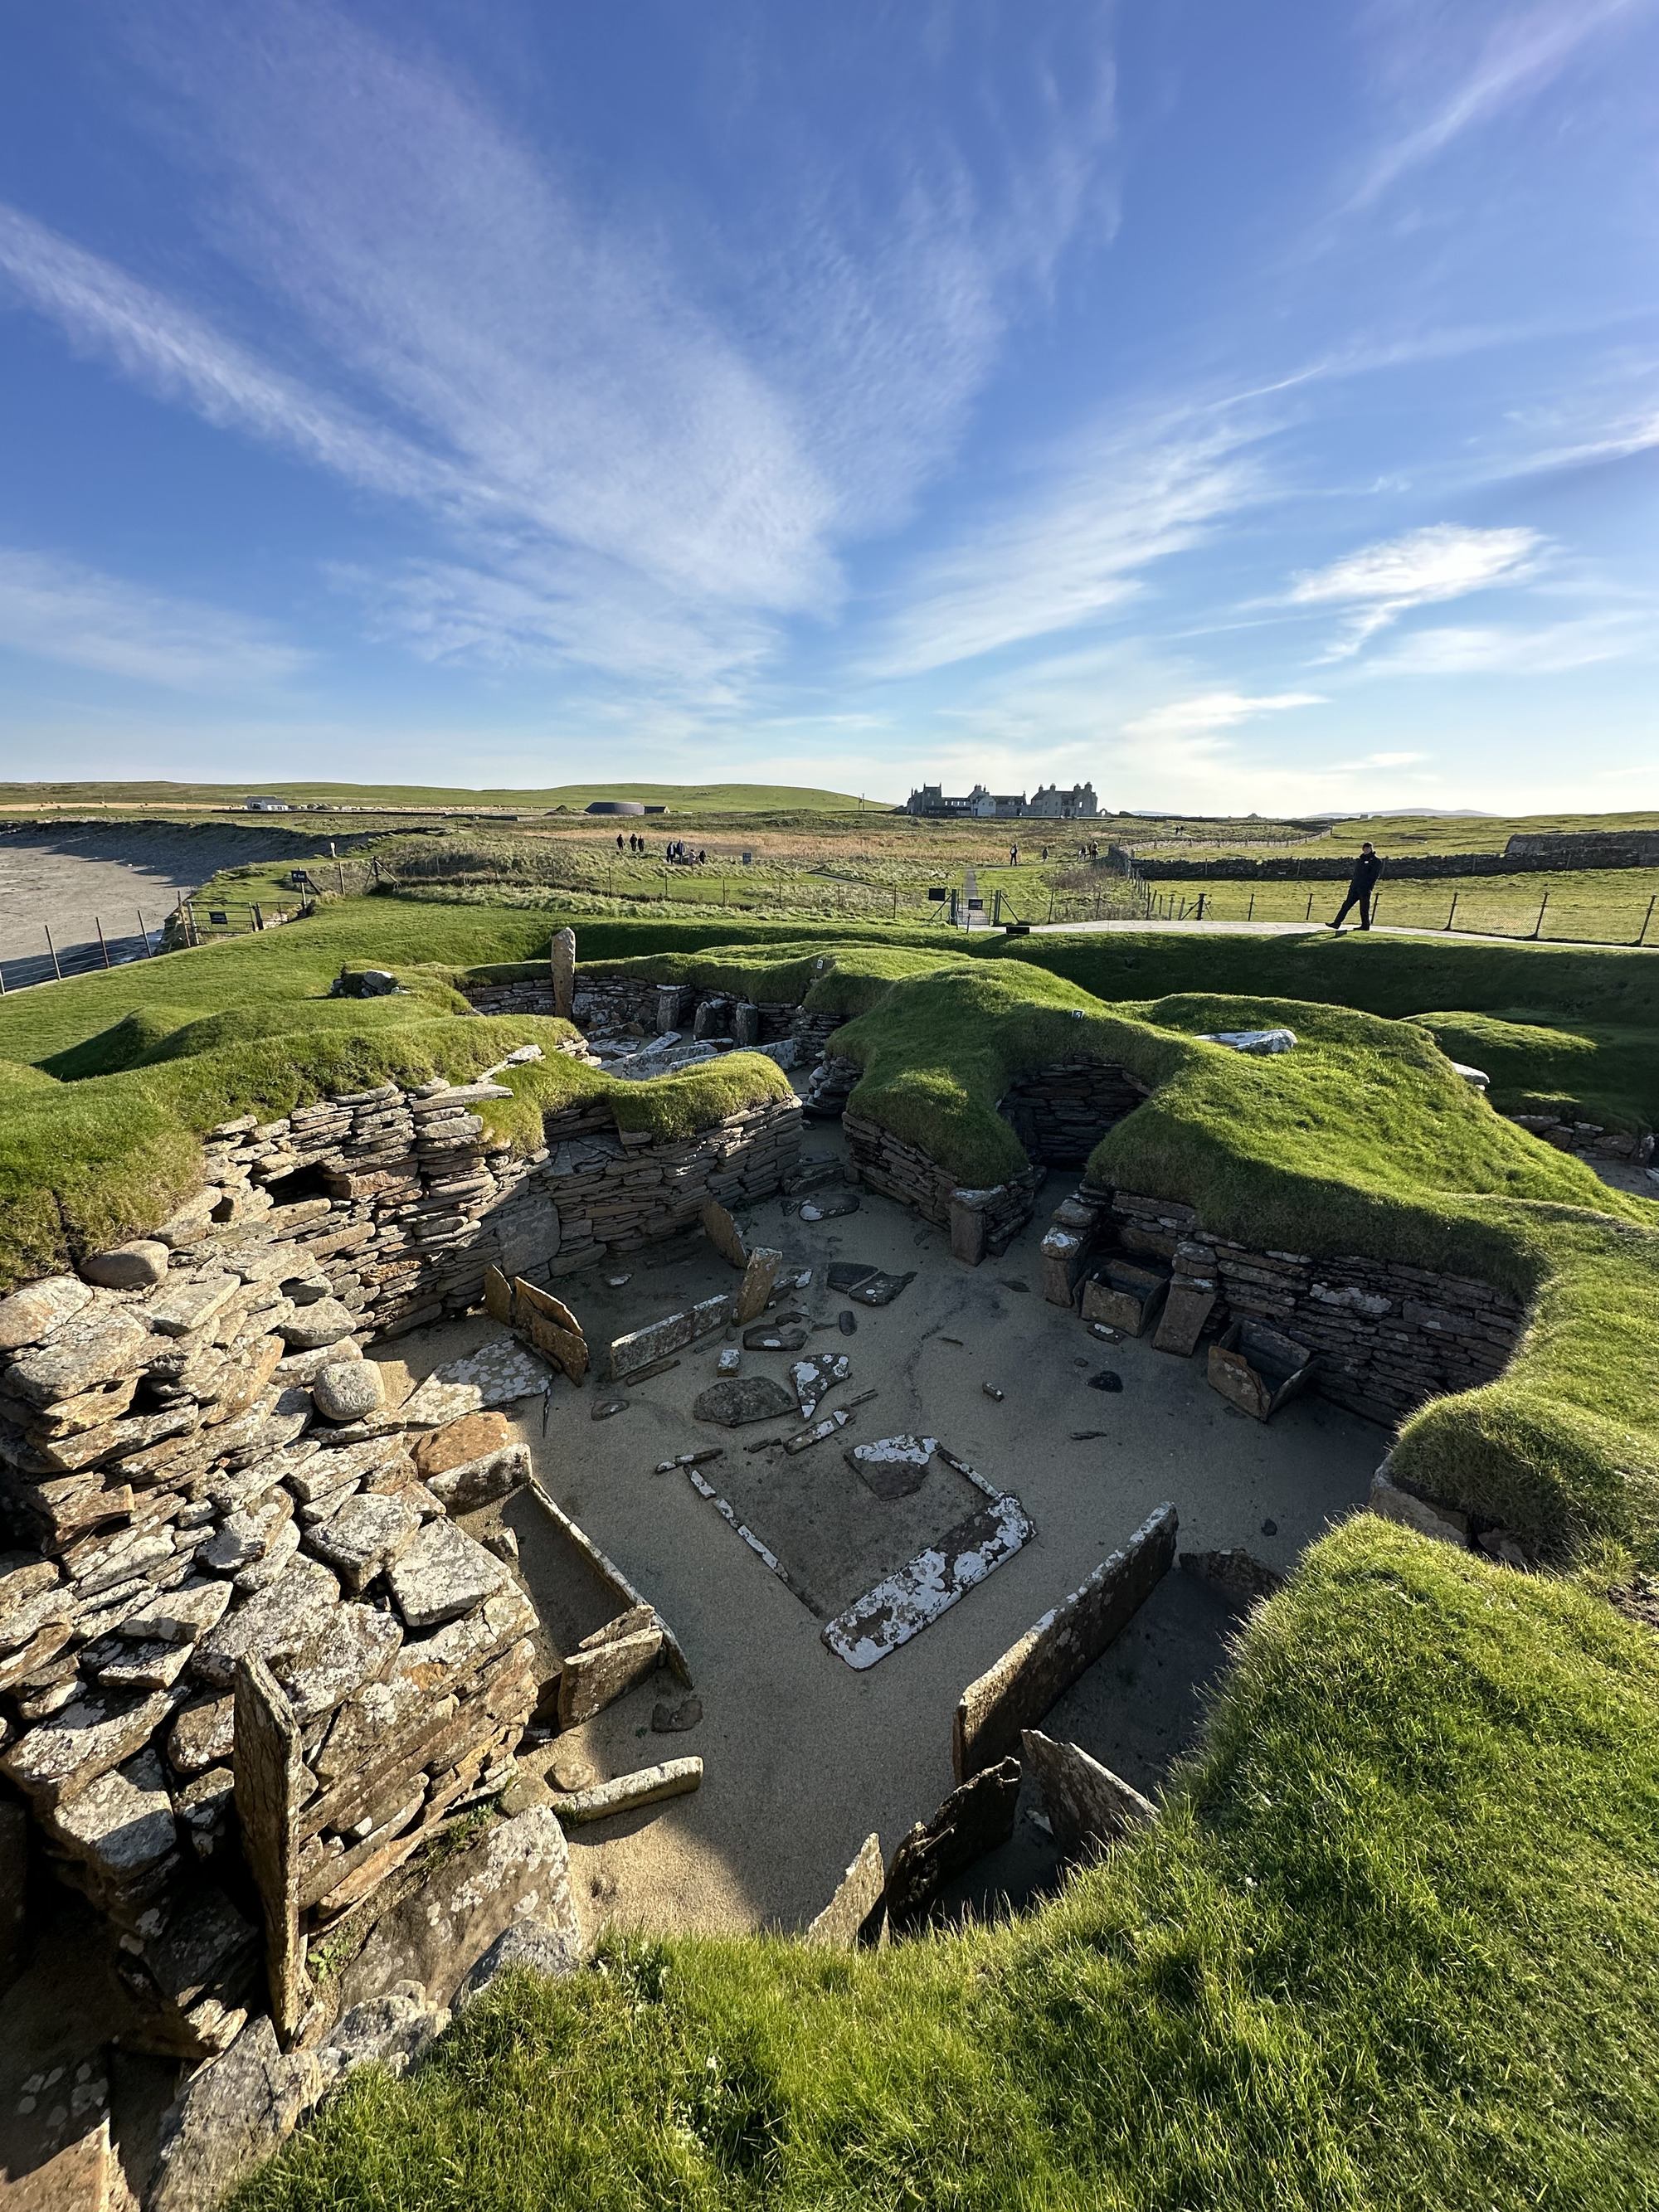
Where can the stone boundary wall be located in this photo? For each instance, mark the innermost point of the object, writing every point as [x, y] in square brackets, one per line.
[1587, 1139]
[1389, 1336]
[1584, 848]
[1276, 868]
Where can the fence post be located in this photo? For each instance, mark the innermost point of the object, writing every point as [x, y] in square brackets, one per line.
[1453, 910]
[1647, 917]
[259, 918]
[102, 946]
[1538, 926]
[150, 950]
[52, 949]
[1250, 916]
[1200, 916]
[339, 870]
[1308, 915]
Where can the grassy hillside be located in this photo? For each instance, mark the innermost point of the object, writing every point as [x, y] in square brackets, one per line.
[682, 798]
[1392, 1943]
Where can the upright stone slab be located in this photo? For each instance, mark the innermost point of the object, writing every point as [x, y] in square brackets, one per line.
[552, 1328]
[1018, 1691]
[975, 1818]
[1187, 1308]
[268, 1763]
[857, 1895]
[721, 1230]
[967, 1227]
[561, 964]
[745, 1025]
[592, 1680]
[1089, 1807]
[759, 1276]
[645, 1346]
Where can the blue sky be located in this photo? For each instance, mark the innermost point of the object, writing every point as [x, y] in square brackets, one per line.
[1241, 406]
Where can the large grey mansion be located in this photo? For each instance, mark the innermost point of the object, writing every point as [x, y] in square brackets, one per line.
[1048, 803]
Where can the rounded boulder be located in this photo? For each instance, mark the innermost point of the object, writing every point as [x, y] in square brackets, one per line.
[348, 1389]
[136, 1267]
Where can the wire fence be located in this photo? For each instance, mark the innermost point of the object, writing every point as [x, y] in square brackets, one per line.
[67, 950]
[1558, 916]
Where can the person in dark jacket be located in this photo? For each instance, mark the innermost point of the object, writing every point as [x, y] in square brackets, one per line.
[1363, 882]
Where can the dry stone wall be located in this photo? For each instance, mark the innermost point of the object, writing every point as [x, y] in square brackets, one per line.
[1388, 1335]
[611, 1002]
[1060, 1112]
[179, 1500]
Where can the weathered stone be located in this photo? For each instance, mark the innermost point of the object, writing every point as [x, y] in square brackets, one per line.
[1444, 1523]
[829, 1209]
[1187, 1308]
[857, 1895]
[1124, 1295]
[98, 1343]
[192, 1303]
[723, 1234]
[976, 1818]
[343, 1465]
[674, 1777]
[364, 1537]
[392, 2031]
[141, 1666]
[967, 1231]
[776, 1336]
[203, 1736]
[552, 1328]
[68, 1753]
[471, 1438]
[122, 1825]
[232, 2114]
[674, 1720]
[760, 1275]
[278, 1620]
[26, 1600]
[1256, 1368]
[206, 1944]
[348, 1389]
[33, 1312]
[593, 1679]
[192, 1221]
[1241, 1579]
[815, 1377]
[645, 1346]
[893, 1467]
[135, 1267]
[76, 2178]
[246, 1537]
[527, 1946]
[880, 1289]
[741, 1399]
[903, 1604]
[356, 1647]
[325, 1321]
[495, 1375]
[518, 1872]
[480, 1482]
[561, 970]
[264, 1570]
[1019, 1690]
[441, 1575]
[1089, 1807]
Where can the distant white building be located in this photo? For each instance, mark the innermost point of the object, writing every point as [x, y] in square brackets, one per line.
[267, 807]
[1050, 804]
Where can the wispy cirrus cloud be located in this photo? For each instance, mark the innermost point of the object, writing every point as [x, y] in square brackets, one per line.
[63, 611]
[1548, 649]
[645, 447]
[1519, 56]
[1074, 546]
[1378, 584]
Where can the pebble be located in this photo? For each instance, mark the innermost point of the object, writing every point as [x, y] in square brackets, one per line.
[849, 1324]
[1108, 1379]
[616, 1281]
[991, 1391]
[1270, 1528]
[603, 1408]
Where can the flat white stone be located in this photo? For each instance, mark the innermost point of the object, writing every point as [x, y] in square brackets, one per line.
[441, 1575]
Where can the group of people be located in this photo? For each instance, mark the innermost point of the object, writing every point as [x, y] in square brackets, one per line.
[676, 849]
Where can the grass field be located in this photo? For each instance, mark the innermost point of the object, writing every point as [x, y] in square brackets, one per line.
[680, 798]
[1391, 1943]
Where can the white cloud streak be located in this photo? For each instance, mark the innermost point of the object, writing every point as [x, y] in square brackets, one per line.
[1100, 514]
[61, 611]
[625, 473]
[1381, 582]
[1213, 710]
[1520, 55]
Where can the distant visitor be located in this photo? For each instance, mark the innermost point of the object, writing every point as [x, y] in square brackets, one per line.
[1366, 870]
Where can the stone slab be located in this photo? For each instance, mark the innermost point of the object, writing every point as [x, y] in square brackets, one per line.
[1089, 1807]
[760, 1277]
[1187, 1308]
[977, 1817]
[738, 1400]
[643, 1347]
[893, 1467]
[592, 1680]
[674, 1778]
[723, 1233]
[1442, 1523]
[1018, 1691]
[857, 1895]
[905, 1603]
[442, 1575]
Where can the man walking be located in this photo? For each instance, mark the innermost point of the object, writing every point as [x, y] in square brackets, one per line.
[1366, 870]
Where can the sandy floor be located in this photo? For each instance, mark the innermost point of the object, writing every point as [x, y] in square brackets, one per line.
[804, 1757]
